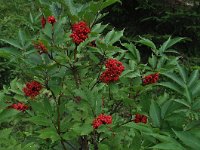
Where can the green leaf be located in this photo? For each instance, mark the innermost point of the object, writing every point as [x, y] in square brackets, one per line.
[9, 52]
[188, 94]
[40, 120]
[37, 107]
[153, 61]
[148, 43]
[175, 78]
[155, 114]
[183, 102]
[134, 51]
[188, 139]
[22, 37]
[48, 30]
[196, 89]
[12, 43]
[7, 114]
[182, 72]
[113, 36]
[98, 28]
[31, 17]
[169, 43]
[49, 133]
[140, 127]
[5, 133]
[56, 9]
[172, 86]
[168, 146]
[193, 78]
[164, 108]
[72, 10]
[83, 129]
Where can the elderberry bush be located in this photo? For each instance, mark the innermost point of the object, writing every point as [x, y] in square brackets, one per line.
[80, 87]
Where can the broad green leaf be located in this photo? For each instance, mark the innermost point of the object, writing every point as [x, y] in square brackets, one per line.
[148, 43]
[175, 78]
[7, 114]
[193, 78]
[153, 61]
[140, 127]
[188, 139]
[172, 86]
[113, 36]
[164, 108]
[134, 51]
[155, 114]
[195, 89]
[49, 133]
[183, 102]
[169, 43]
[5, 133]
[38, 107]
[31, 17]
[48, 30]
[8, 52]
[72, 10]
[161, 62]
[188, 94]
[56, 9]
[192, 125]
[98, 28]
[40, 120]
[168, 146]
[22, 37]
[13, 43]
[182, 72]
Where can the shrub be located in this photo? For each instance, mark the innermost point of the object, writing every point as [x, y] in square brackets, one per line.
[80, 88]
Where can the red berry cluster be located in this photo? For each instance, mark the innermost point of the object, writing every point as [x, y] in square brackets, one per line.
[32, 89]
[102, 119]
[80, 32]
[19, 106]
[40, 47]
[140, 118]
[51, 19]
[152, 78]
[43, 21]
[114, 68]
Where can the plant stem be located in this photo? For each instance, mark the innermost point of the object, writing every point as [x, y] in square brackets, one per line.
[58, 122]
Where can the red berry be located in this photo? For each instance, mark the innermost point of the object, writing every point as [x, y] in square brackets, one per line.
[152, 78]
[19, 106]
[32, 89]
[51, 19]
[80, 32]
[113, 71]
[43, 21]
[140, 118]
[102, 119]
[40, 47]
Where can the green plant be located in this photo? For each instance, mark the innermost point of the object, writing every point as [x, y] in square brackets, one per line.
[80, 87]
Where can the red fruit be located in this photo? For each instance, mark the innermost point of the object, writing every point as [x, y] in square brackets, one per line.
[40, 47]
[102, 119]
[152, 78]
[113, 71]
[43, 21]
[51, 19]
[80, 32]
[32, 89]
[140, 118]
[19, 106]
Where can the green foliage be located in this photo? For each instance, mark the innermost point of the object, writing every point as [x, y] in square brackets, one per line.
[61, 115]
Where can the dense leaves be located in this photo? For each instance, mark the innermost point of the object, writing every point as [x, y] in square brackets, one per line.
[81, 87]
